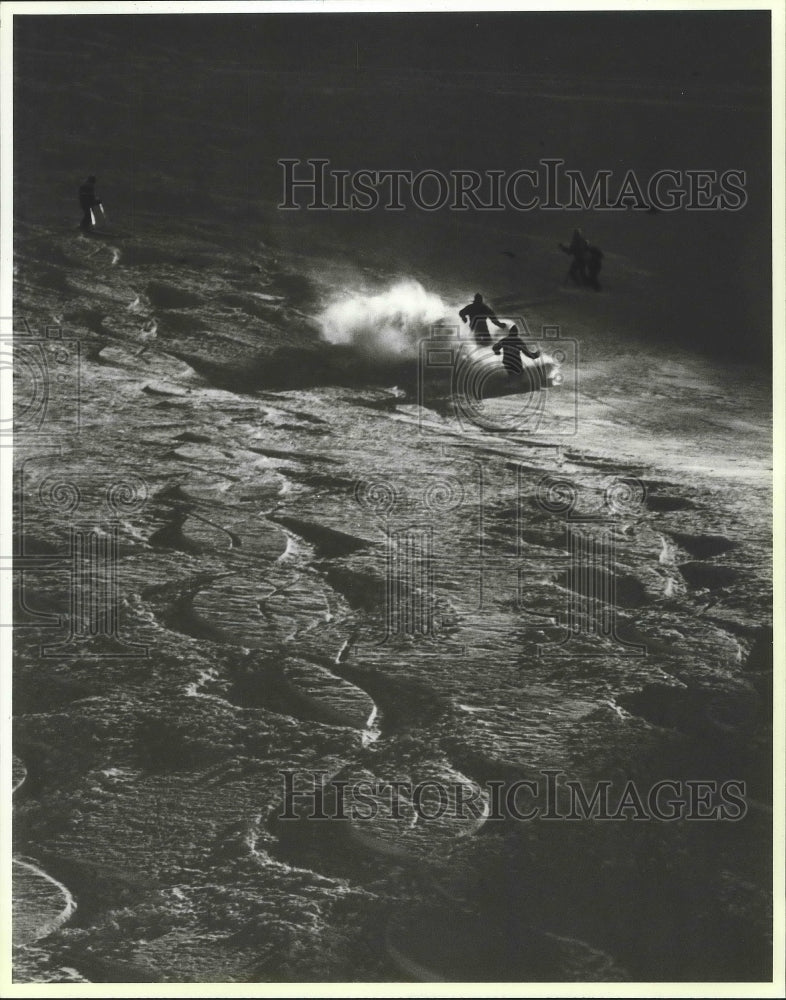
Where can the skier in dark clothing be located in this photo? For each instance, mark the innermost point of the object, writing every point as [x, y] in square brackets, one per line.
[578, 251]
[477, 312]
[594, 264]
[87, 201]
[512, 346]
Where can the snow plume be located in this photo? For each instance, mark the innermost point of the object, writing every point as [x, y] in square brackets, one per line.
[390, 322]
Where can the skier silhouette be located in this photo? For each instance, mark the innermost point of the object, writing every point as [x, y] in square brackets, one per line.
[512, 346]
[594, 264]
[87, 200]
[477, 312]
[578, 251]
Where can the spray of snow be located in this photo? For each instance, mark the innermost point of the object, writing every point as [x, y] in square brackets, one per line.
[391, 322]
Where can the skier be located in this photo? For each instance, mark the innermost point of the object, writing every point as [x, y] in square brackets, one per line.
[512, 346]
[87, 201]
[578, 251]
[477, 312]
[594, 264]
